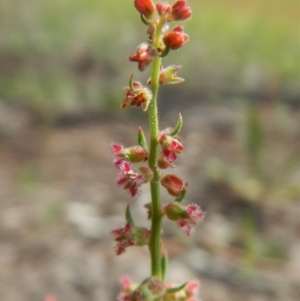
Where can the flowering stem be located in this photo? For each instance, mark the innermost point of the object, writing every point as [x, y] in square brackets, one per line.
[154, 246]
[165, 146]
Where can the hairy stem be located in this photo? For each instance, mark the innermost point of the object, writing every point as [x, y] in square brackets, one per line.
[155, 245]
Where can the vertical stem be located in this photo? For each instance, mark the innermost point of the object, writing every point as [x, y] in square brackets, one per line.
[154, 246]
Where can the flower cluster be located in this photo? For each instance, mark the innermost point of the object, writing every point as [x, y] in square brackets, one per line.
[140, 164]
[179, 11]
[150, 287]
[131, 178]
[129, 236]
[187, 218]
[170, 148]
[136, 94]
[170, 40]
[143, 56]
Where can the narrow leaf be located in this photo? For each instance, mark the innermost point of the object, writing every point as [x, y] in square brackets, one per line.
[182, 195]
[176, 289]
[164, 265]
[128, 216]
[165, 51]
[131, 82]
[178, 126]
[142, 139]
[145, 20]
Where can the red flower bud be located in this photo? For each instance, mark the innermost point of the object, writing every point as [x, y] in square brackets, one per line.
[146, 173]
[171, 143]
[171, 147]
[163, 8]
[173, 184]
[180, 10]
[143, 56]
[145, 7]
[176, 38]
[164, 162]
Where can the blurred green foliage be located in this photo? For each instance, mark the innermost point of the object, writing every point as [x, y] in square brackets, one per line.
[268, 172]
[26, 179]
[268, 176]
[71, 55]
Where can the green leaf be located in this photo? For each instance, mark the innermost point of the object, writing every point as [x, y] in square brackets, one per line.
[178, 126]
[131, 82]
[164, 265]
[182, 195]
[165, 51]
[177, 289]
[128, 216]
[142, 139]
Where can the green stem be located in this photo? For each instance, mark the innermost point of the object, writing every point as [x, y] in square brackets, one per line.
[156, 219]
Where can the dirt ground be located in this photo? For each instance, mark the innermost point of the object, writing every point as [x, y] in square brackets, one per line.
[58, 202]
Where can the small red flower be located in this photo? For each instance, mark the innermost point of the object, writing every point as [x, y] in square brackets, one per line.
[191, 289]
[126, 283]
[117, 149]
[194, 215]
[181, 10]
[175, 38]
[164, 162]
[130, 236]
[133, 154]
[163, 8]
[134, 296]
[143, 56]
[145, 7]
[170, 157]
[122, 165]
[130, 181]
[187, 218]
[173, 184]
[127, 287]
[123, 238]
[127, 177]
[171, 144]
[171, 147]
[137, 95]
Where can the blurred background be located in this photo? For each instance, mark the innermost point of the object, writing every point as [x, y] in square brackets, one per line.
[63, 65]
